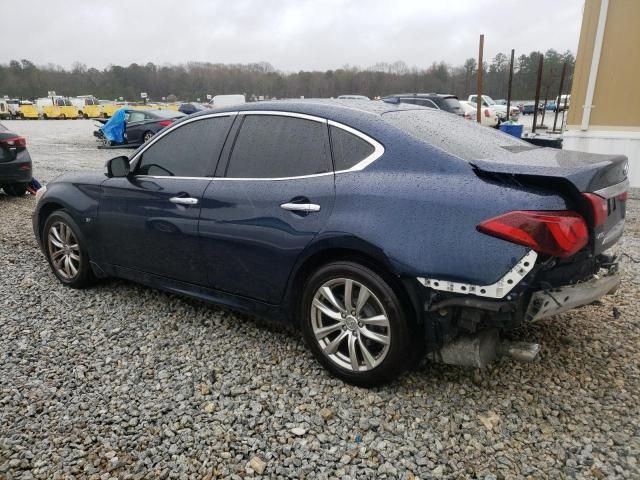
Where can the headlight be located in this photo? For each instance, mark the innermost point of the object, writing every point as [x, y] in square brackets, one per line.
[39, 194]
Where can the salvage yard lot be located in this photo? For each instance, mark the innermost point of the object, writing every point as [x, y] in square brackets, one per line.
[128, 382]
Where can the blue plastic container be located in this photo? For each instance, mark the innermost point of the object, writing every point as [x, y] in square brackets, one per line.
[515, 130]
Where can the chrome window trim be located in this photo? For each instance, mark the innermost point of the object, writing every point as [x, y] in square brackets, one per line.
[378, 148]
[614, 190]
[171, 129]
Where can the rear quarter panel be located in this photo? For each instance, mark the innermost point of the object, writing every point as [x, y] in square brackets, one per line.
[420, 207]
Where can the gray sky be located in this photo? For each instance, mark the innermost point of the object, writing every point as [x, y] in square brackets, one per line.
[290, 34]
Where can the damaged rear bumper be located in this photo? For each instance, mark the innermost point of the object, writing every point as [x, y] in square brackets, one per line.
[546, 303]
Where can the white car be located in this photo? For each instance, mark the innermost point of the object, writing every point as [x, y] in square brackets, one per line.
[501, 110]
[489, 117]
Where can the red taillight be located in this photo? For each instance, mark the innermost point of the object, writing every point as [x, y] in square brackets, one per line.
[14, 142]
[467, 116]
[556, 233]
[623, 196]
[599, 208]
[165, 123]
[487, 113]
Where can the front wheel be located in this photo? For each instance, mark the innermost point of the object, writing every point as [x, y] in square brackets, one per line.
[65, 251]
[355, 325]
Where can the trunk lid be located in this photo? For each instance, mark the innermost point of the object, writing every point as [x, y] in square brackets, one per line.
[571, 174]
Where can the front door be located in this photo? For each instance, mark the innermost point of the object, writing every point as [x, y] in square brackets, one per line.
[273, 197]
[149, 221]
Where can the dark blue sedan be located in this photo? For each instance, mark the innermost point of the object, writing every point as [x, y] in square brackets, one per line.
[384, 232]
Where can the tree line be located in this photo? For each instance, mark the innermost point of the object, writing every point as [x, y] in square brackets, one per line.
[192, 80]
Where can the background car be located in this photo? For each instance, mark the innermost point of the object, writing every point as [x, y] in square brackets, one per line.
[528, 108]
[189, 108]
[439, 101]
[134, 126]
[15, 163]
[352, 97]
[501, 110]
[414, 231]
[489, 117]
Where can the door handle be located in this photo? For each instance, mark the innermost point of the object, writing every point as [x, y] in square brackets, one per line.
[301, 207]
[184, 200]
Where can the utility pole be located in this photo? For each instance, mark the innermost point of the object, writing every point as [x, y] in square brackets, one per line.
[538, 82]
[509, 87]
[555, 118]
[479, 82]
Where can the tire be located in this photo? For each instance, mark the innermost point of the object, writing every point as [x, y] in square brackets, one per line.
[63, 242]
[147, 136]
[386, 337]
[15, 189]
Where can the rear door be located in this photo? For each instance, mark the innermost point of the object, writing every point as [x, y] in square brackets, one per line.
[269, 200]
[134, 121]
[149, 221]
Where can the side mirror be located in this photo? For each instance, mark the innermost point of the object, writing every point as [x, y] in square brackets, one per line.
[117, 167]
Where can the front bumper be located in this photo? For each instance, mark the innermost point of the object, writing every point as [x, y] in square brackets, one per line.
[546, 303]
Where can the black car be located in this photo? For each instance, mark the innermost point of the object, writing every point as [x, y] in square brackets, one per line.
[439, 101]
[133, 126]
[383, 231]
[15, 163]
[189, 108]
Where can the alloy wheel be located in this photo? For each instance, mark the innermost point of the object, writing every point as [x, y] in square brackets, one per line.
[350, 325]
[64, 250]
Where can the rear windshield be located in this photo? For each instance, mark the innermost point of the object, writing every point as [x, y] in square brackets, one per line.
[453, 103]
[168, 113]
[455, 135]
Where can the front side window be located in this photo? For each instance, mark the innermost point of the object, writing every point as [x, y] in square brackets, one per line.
[191, 150]
[348, 149]
[272, 146]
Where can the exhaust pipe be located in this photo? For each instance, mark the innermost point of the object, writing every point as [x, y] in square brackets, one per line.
[480, 349]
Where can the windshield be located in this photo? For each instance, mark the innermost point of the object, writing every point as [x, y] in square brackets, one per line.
[489, 100]
[455, 135]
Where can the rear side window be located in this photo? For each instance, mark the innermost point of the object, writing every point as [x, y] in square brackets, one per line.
[271, 146]
[191, 150]
[348, 149]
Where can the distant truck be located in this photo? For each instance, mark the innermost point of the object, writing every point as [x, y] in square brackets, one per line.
[87, 105]
[221, 101]
[560, 101]
[4, 109]
[22, 109]
[56, 107]
[501, 110]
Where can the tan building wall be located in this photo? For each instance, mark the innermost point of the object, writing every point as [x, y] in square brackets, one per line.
[616, 100]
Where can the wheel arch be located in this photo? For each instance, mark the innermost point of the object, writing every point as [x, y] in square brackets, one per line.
[354, 250]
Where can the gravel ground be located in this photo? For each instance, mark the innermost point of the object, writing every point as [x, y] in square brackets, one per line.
[121, 381]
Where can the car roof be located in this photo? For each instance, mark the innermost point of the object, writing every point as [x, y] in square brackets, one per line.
[363, 116]
[422, 95]
[320, 107]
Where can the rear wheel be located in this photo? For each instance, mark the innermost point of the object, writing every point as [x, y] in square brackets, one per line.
[147, 136]
[15, 189]
[66, 253]
[355, 325]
